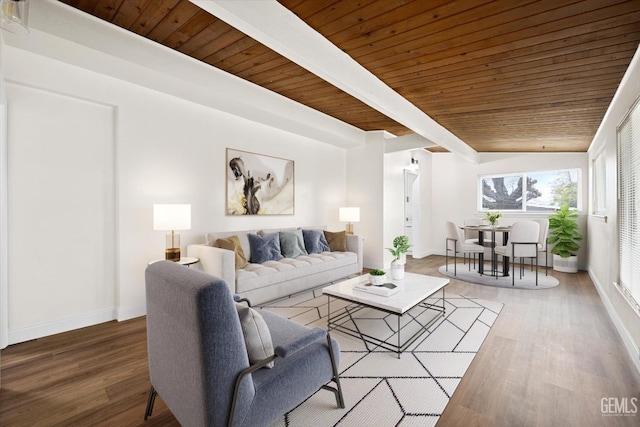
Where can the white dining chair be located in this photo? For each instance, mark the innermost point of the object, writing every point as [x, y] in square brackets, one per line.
[542, 242]
[522, 243]
[455, 236]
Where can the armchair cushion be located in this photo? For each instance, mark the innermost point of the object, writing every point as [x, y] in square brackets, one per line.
[232, 243]
[265, 248]
[257, 337]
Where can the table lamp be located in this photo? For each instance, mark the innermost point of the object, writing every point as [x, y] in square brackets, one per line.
[172, 217]
[14, 16]
[349, 215]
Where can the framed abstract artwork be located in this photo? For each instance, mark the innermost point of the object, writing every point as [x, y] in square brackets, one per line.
[258, 184]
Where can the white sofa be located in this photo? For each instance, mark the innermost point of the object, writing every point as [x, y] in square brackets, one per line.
[271, 280]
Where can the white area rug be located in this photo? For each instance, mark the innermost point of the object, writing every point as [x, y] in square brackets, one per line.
[380, 389]
[528, 281]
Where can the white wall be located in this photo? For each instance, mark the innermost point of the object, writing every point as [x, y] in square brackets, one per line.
[61, 210]
[394, 164]
[167, 150]
[365, 188]
[4, 276]
[603, 252]
[455, 188]
[375, 183]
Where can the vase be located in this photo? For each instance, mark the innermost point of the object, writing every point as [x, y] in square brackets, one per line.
[397, 269]
[565, 265]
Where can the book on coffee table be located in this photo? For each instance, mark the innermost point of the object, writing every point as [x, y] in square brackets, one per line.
[384, 290]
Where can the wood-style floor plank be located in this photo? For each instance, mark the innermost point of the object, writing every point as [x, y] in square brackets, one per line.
[549, 359]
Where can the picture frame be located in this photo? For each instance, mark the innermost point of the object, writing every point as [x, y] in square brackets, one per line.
[259, 184]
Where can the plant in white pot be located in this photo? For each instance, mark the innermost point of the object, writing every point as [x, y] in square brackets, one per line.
[377, 277]
[563, 232]
[400, 247]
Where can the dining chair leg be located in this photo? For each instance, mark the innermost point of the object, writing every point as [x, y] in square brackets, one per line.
[455, 263]
[446, 255]
[536, 267]
[546, 261]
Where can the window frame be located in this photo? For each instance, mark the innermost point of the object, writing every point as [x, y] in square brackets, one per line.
[628, 187]
[525, 175]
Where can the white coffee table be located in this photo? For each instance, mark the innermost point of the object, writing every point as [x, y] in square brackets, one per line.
[415, 289]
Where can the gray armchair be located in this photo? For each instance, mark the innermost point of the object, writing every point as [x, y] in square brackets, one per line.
[198, 361]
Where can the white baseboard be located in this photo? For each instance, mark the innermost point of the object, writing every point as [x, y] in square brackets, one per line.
[62, 325]
[426, 253]
[627, 339]
[126, 313]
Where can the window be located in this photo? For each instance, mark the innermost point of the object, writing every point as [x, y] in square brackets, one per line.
[544, 191]
[628, 209]
[599, 184]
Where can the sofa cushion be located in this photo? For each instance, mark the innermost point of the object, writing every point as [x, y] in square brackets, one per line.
[232, 243]
[257, 337]
[292, 244]
[255, 276]
[265, 248]
[314, 241]
[337, 240]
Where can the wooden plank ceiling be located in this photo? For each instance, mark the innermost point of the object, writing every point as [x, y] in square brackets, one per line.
[505, 75]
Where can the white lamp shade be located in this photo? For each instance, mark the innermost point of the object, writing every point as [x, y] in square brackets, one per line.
[171, 217]
[349, 215]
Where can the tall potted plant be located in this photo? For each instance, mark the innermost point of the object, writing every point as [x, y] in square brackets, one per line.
[400, 247]
[563, 232]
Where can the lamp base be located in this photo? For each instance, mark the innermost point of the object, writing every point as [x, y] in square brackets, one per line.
[349, 229]
[172, 254]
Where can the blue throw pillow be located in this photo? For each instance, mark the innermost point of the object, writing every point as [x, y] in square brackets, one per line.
[264, 248]
[314, 241]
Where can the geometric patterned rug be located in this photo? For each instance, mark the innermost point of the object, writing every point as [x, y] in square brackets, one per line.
[380, 389]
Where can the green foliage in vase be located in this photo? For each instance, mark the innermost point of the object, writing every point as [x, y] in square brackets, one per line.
[492, 217]
[377, 272]
[400, 246]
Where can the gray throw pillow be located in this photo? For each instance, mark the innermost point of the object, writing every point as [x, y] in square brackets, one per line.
[292, 244]
[314, 241]
[265, 248]
[257, 337]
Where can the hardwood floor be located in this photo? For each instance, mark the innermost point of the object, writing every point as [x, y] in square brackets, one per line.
[549, 359]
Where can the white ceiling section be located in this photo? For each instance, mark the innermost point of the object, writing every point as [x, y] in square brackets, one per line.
[271, 24]
[113, 51]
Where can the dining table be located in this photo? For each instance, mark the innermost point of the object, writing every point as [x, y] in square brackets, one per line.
[482, 229]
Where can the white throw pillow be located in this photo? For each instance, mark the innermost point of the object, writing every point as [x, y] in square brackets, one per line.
[257, 337]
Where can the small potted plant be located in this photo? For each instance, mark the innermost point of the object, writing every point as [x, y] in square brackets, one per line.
[563, 232]
[377, 277]
[400, 247]
[492, 217]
